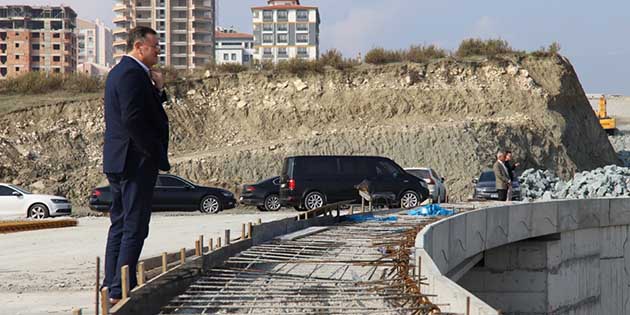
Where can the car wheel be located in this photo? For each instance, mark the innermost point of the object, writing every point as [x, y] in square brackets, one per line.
[38, 211]
[261, 208]
[313, 200]
[272, 203]
[409, 199]
[210, 204]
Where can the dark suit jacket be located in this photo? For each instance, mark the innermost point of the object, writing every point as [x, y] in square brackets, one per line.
[135, 121]
[502, 177]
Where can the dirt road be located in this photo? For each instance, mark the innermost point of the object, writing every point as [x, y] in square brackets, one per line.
[52, 271]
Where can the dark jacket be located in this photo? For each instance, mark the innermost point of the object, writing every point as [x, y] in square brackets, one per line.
[502, 177]
[510, 167]
[135, 121]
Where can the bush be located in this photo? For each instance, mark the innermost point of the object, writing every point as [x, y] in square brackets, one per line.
[379, 56]
[552, 50]
[422, 54]
[300, 66]
[230, 68]
[479, 47]
[45, 82]
[335, 59]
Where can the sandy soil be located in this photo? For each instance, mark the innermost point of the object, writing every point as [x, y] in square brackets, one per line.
[52, 271]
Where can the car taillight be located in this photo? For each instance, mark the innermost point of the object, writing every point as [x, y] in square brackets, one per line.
[429, 181]
[96, 193]
[291, 184]
[250, 188]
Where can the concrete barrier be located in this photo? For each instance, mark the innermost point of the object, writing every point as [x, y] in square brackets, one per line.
[447, 245]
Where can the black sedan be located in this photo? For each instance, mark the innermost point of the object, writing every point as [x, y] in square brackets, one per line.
[174, 193]
[264, 194]
[485, 187]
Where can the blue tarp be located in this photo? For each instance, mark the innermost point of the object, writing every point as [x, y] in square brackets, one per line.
[369, 217]
[431, 210]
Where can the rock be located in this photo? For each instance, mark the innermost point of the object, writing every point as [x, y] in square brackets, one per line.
[39, 185]
[191, 92]
[300, 85]
[242, 104]
[207, 74]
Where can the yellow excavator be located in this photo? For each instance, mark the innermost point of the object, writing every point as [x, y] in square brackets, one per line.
[608, 123]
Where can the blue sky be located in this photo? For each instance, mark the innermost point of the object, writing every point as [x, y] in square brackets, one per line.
[593, 34]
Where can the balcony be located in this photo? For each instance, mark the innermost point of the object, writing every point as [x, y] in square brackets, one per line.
[179, 31]
[201, 18]
[179, 43]
[119, 31]
[120, 43]
[120, 7]
[121, 19]
[179, 19]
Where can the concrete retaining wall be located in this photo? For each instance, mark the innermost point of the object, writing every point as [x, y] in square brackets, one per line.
[593, 237]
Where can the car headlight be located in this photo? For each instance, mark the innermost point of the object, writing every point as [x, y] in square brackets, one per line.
[227, 194]
[59, 200]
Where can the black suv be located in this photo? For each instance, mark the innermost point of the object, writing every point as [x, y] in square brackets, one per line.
[309, 182]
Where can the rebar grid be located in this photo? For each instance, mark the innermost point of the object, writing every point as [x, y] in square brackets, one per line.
[350, 268]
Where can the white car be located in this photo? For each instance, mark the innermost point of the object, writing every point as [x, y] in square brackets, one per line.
[435, 182]
[18, 202]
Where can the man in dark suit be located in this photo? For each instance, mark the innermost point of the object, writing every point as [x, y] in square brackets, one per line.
[136, 146]
[502, 176]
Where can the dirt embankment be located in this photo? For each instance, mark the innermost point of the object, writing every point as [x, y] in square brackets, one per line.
[231, 129]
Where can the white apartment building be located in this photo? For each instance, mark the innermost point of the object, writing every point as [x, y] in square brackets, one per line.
[285, 29]
[94, 43]
[233, 47]
[185, 28]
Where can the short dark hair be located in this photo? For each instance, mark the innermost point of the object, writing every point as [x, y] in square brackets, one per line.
[138, 33]
[508, 152]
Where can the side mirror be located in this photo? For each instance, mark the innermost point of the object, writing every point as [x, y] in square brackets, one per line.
[17, 194]
[475, 181]
[443, 179]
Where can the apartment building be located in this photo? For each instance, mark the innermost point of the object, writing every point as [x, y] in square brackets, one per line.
[233, 47]
[185, 27]
[285, 29]
[37, 38]
[94, 43]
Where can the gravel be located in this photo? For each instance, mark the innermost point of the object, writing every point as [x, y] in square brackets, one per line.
[608, 181]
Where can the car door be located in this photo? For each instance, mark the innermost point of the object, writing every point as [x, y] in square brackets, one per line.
[388, 177]
[10, 204]
[174, 193]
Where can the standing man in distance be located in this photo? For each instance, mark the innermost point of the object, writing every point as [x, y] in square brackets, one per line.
[136, 146]
[502, 176]
[511, 167]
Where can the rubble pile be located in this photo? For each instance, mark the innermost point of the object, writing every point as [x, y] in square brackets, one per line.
[608, 181]
[621, 143]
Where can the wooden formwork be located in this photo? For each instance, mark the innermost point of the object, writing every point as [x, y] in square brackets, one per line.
[29, 225]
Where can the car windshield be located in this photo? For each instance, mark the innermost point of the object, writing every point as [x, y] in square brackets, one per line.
[20, 189]
[487, 177]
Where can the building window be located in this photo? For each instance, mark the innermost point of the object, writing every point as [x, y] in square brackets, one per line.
[56, 70]
[302, 15]
[56, 35]
[35, 69]
[233, 57]
[17, 69]
[268, 38]
[302, 38]
[35, 35]
[267, 51]
[283, 15]
[283, 27]
[17, 45]
[283, 38]
[267, 16]
[302, 27]
[282, 52]
[267, 27]
[35, 46]
[56, 58]
[17, 33]
[245, 58]
[17, 57]
[35, 58]
[256, 13]
[226, 56]
[56, 46]
[302, 52]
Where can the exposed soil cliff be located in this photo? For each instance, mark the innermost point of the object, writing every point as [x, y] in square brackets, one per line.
[230, 129]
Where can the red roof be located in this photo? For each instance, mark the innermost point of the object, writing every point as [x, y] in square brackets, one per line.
[284, 7]
[233, 35]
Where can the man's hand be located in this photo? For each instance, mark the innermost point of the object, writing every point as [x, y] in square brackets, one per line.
[517, 164]
[158, 79]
